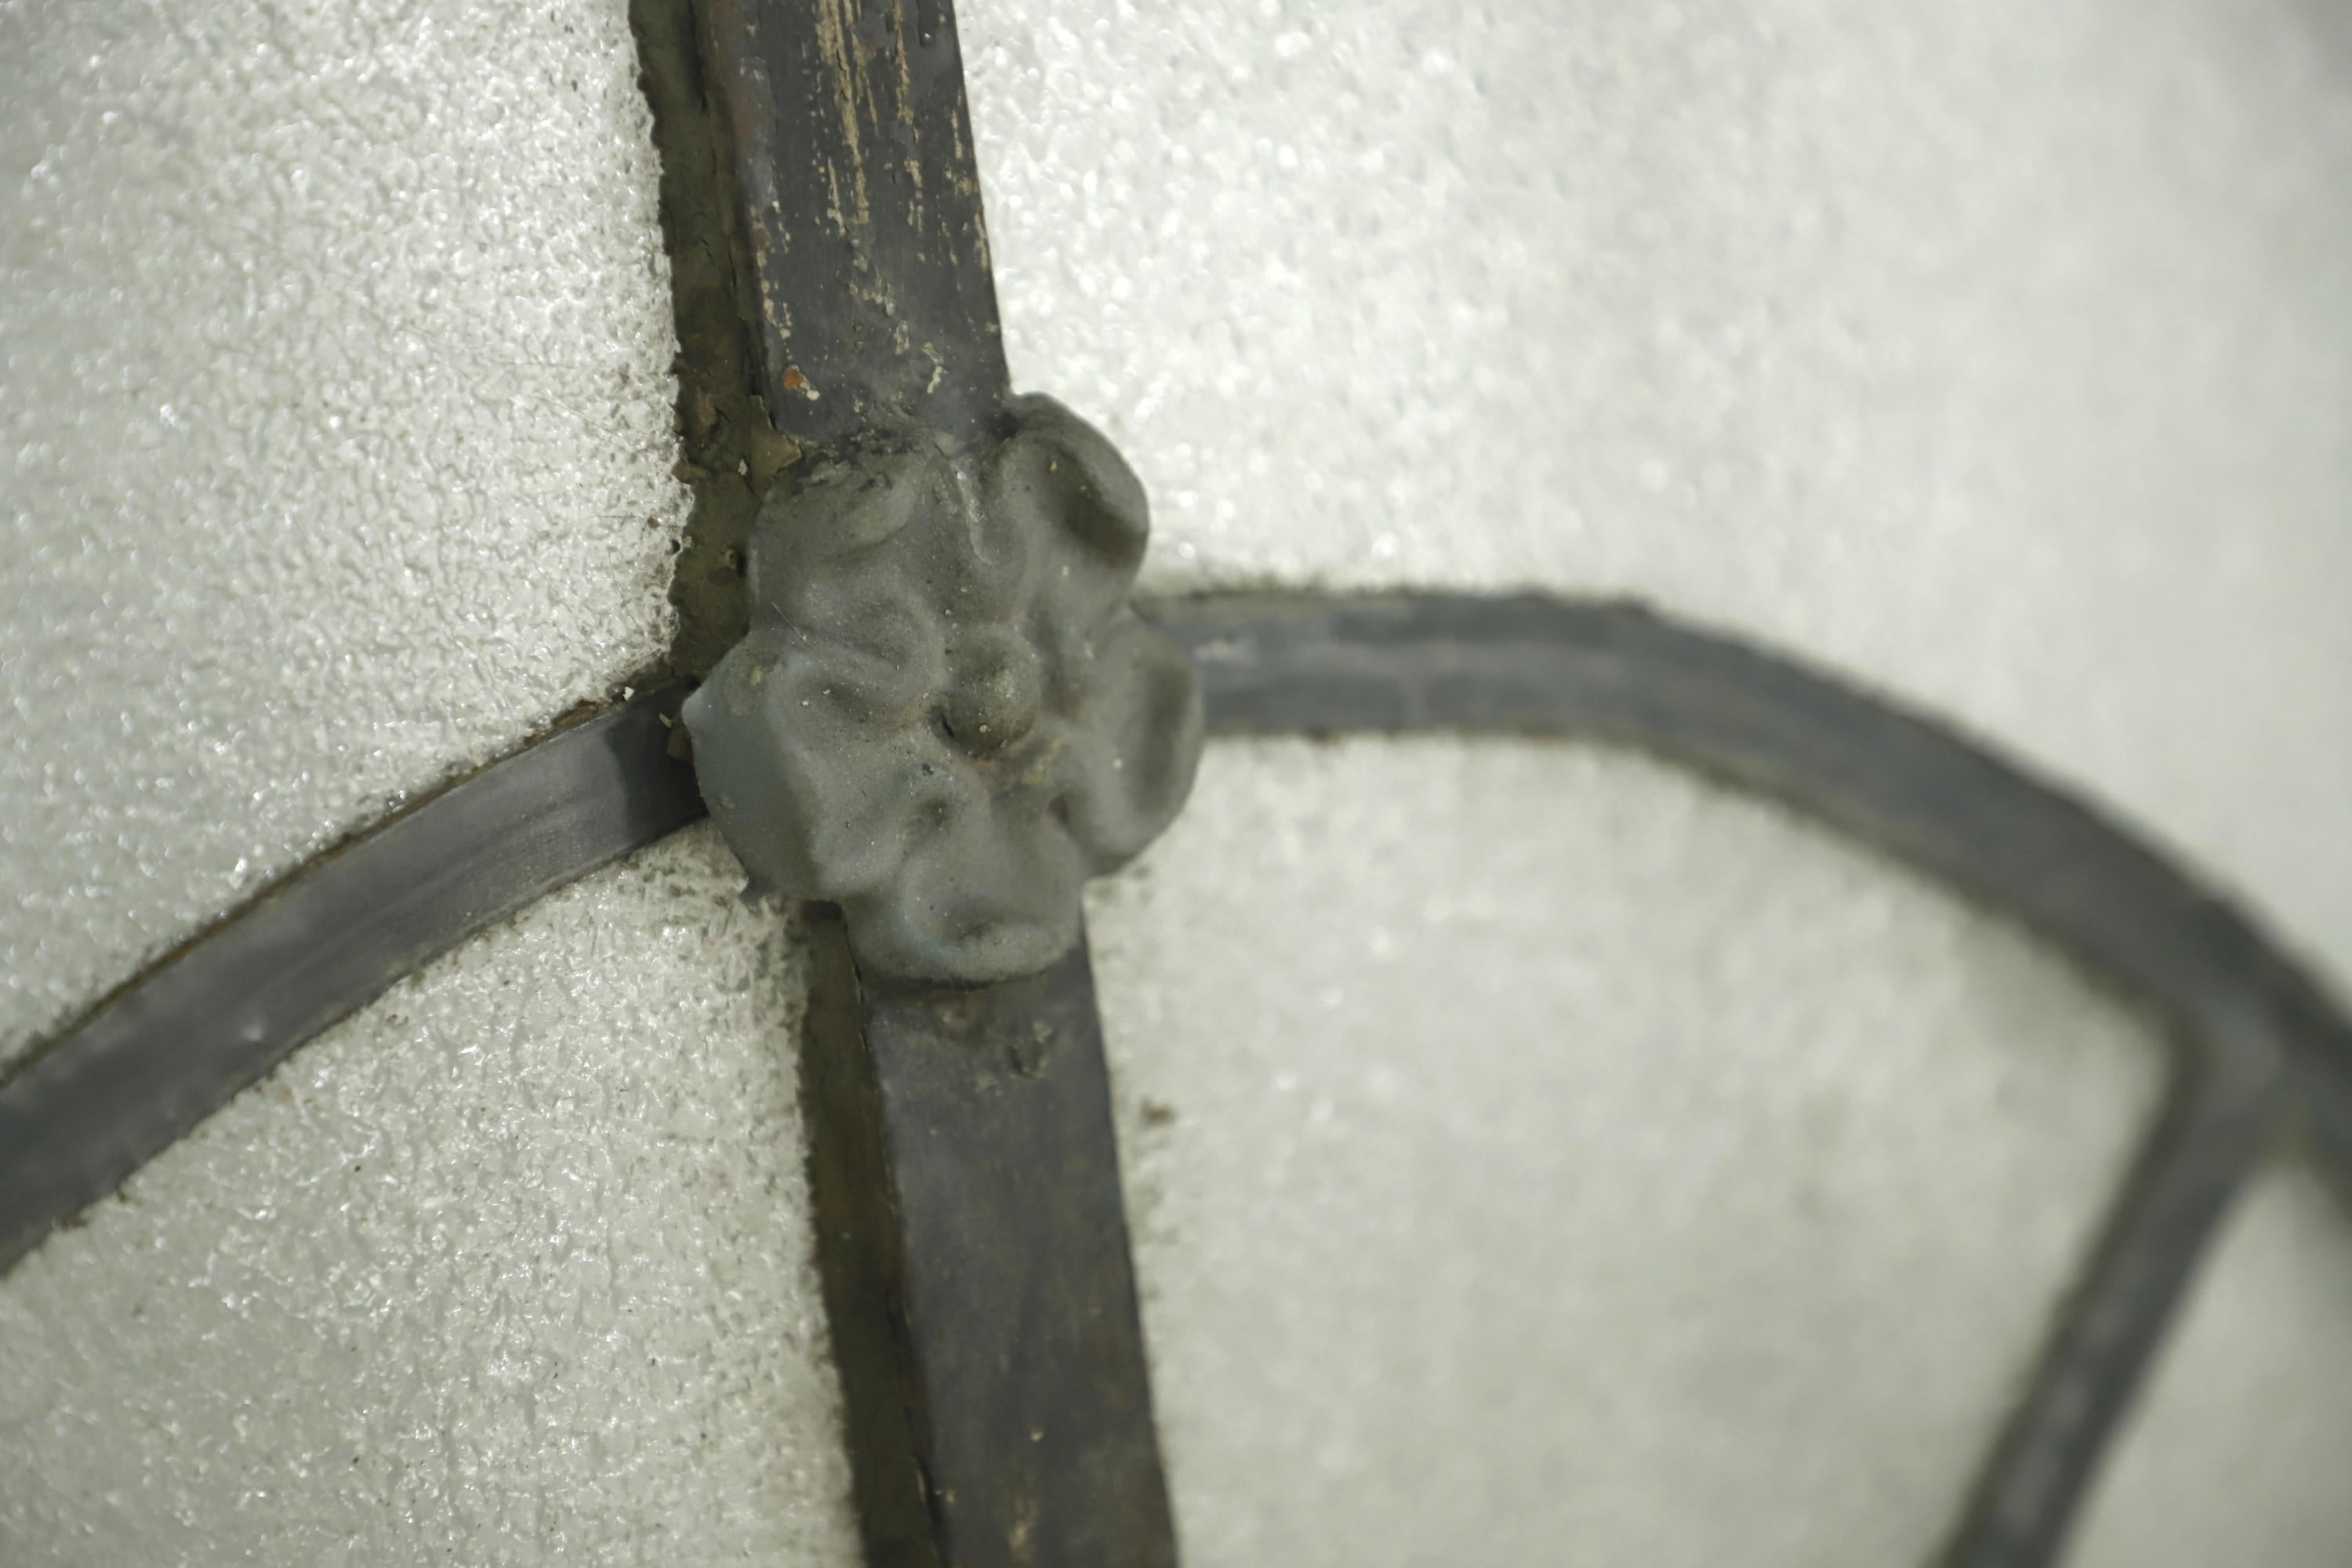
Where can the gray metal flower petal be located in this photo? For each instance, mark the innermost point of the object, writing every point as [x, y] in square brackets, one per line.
[947, 716]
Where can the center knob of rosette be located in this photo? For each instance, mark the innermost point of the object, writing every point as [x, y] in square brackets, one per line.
[994, 693]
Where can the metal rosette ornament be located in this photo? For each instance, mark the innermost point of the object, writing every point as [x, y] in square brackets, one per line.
[946, 715]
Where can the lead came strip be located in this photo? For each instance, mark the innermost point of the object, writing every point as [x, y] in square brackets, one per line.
[942, 718]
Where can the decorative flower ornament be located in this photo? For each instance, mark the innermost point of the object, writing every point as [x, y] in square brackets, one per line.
[945, 715]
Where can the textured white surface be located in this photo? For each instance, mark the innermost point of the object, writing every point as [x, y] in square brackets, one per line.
[2237, 1454]
[512, 1268]
[1615, 1174]
[1538, 1156]
[334, 435]
[1999, 351]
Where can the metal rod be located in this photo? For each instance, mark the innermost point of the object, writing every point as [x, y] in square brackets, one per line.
[974, 1252]
[857, 213]
[970, 1230]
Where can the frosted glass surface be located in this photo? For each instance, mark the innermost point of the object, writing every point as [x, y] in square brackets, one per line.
[334, 436]
[1538, 1156]
[512, 1268]
[1999, 351]
[2237, 1454]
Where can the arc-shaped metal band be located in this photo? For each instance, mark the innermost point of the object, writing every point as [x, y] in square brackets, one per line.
[2241, 1011]
[79, 1115]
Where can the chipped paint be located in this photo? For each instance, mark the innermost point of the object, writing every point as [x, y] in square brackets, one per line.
[836, 24]
[855, 156]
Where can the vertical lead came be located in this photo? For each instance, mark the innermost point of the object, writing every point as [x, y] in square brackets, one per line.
[943, 719]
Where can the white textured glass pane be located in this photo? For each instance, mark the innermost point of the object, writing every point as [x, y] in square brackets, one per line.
[1999, 351]
[512, 1268]
[2238, 1449]
[1537, 1156]
[334, 435]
